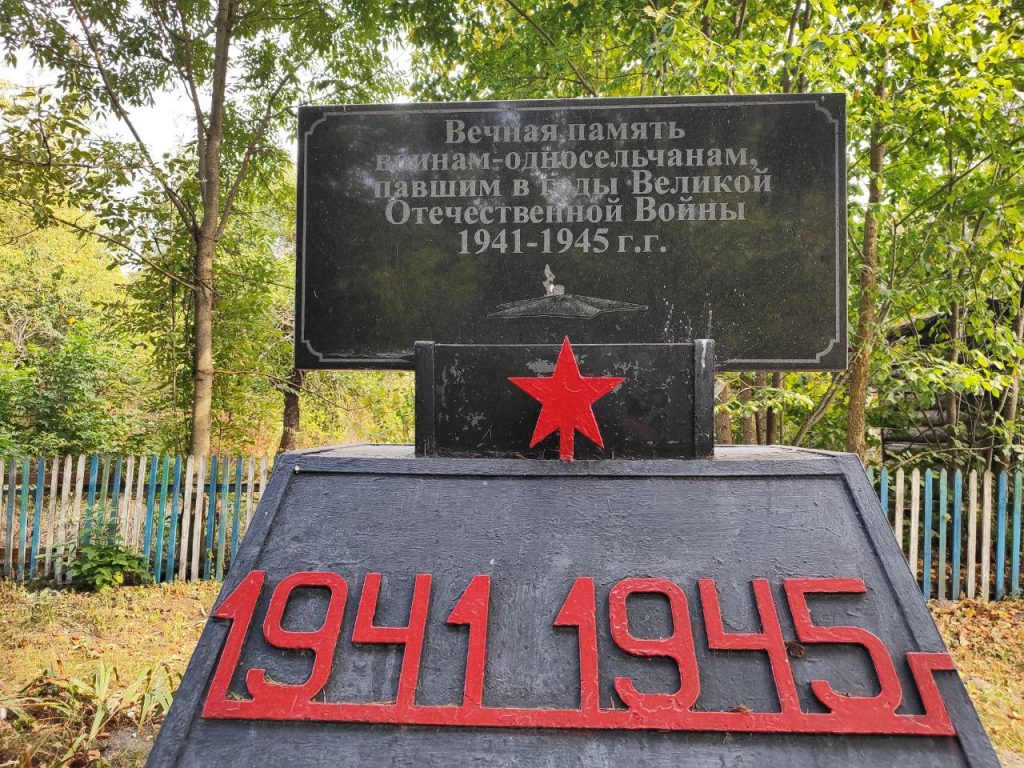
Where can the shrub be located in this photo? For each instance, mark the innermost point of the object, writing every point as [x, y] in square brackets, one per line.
[103, 565]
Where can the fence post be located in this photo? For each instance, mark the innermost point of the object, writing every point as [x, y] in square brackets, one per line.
[197, 522]
[898, 522]
[986, 537]
[172, 533]
[37, 517]
[51, 518]
[883, 491]
[972, 532]
[211, 512]
[943, 520]
[186, 517]
[65, 492]
[158, 558]
[140, 500]
[124, 511]
[115, 499]
[249, 491]
[926, 567]
[1015, 560]
[23, 520]
[237, 513]
[9, 528]
[915, 518]
[1001, 538]
[94, 463]
[222, 524]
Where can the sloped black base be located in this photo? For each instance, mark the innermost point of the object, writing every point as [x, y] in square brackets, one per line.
[534, 527]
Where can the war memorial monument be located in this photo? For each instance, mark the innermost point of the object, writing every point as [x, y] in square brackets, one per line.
[564, 571]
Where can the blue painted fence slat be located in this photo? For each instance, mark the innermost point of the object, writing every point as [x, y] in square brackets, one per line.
[27, 548]
[158, 565]
[12, 492]
[1015, 560]
[23, 520]
[147, 535]
[236, 520]
[212, 496]
[115, 496]
[1001, 538]
[222, 524]
[90, 498]
[883, 491]
[958, 531]
[172, 536]
[37, 516]
[926, 580]
[105, 480]
[943, 524]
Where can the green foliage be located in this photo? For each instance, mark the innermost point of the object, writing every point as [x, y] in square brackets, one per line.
[103, 564]
[940, 83]
[68, 384]
[63, 722]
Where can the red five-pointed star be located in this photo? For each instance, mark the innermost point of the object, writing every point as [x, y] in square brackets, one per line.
[566, 401]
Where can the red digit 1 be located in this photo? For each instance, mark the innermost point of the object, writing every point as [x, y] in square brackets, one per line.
[321, 642]
[678, 646]
[410, 636]
[890, 692]
[579, 610]
[769, 639]
[472, 610]
[238, 608]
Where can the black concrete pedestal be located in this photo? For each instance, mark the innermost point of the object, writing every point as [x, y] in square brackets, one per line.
[534, 528]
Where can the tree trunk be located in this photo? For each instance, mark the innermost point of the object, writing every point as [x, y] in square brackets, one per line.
[749, 422]
[1013, 396]
[860, 368]
[760, 423]
[202, 385]
[290, 425]
[206, 238]
[773, 417]
[723, 424]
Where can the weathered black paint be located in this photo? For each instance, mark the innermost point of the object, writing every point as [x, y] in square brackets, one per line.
[770, 288]
[534, 526]
[466, 406]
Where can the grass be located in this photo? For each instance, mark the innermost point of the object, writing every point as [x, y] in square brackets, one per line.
[91, 674]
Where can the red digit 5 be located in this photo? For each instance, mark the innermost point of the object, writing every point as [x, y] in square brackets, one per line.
[678, 646]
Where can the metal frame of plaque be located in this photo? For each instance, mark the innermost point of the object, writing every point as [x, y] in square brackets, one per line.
[640, 220]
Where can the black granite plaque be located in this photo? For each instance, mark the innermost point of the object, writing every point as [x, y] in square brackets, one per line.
[656, 220]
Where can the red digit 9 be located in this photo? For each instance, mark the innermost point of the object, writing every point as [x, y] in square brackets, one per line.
[321, 642]
[678, 646]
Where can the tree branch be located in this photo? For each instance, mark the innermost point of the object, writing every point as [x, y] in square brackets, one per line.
[250, 151]
[123, 245]
[551, 41]
[122, 113]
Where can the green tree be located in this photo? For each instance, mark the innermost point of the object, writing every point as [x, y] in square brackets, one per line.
[69, 383]
[241, 66]
[935, 158]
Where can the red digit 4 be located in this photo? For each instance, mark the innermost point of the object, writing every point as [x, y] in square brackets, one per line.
[410, 636]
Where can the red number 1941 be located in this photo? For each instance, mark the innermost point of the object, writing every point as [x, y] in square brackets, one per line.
[661, 711]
